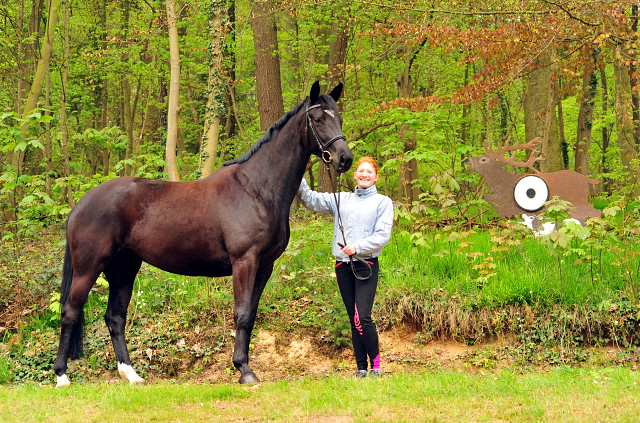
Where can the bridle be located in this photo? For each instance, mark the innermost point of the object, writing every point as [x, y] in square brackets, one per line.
[325, 155]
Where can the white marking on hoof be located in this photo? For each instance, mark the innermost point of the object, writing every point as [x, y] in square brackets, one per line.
[63, 381]
[127, 372]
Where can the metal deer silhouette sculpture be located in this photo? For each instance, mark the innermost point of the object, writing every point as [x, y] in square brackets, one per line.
[517, 193]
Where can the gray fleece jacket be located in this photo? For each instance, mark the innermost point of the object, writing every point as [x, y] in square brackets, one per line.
[367, 218]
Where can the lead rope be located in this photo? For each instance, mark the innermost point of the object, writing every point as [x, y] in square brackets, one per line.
[353, 257]
[328, 159]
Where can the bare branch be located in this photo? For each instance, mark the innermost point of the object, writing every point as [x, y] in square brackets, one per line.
[565, 10]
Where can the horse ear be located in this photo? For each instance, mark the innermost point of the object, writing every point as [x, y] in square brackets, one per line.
[315, 92]
[336, 92]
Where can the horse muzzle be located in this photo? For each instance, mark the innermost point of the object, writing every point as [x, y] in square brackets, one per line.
[344, 160]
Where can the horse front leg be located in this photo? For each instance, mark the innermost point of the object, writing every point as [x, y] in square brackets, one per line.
[248, 285]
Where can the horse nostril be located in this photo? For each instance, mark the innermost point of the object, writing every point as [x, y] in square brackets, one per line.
[345, 162]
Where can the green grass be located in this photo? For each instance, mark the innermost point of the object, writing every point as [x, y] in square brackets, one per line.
[540, 296]
[562, 395]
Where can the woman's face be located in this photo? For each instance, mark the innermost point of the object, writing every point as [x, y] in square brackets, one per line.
[365, 175]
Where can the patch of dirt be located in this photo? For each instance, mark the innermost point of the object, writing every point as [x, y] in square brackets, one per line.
[277, 356]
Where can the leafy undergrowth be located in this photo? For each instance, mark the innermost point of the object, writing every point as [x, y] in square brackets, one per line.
[287, 342]
[508, 298]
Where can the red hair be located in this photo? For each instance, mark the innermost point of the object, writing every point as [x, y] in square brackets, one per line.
[366, 159]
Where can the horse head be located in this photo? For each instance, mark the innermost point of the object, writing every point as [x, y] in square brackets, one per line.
[323, 130]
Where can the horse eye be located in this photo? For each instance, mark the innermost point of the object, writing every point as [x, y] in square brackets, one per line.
[318, 120]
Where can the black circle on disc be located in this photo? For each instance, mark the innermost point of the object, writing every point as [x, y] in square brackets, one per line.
[531, 193]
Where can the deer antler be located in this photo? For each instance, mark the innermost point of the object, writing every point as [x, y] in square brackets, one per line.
[498, 154]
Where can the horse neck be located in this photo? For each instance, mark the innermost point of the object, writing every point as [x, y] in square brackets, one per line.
[278, 166]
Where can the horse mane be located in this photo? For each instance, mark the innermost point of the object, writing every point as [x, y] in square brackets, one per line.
[322, 99]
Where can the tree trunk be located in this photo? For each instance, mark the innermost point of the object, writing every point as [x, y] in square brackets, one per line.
[338, 52]
[561, 135]
[104, 94]
[335, 61]
[410, 171]
[128, 121]
[48, 166]
[585, 119]
[605, 131]
[138, 142]
[540, 114]
[16, 158]
[216, 88]
[43, 66]
[174, 92]
[465, 126]
[635, 100]
[267, 61]
[229, 122]
[624, 124]
[63, 106]
[291, 44]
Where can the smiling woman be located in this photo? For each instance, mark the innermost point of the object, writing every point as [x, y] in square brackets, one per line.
[366, 218]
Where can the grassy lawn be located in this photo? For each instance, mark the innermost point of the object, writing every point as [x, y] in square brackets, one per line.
[565, 394]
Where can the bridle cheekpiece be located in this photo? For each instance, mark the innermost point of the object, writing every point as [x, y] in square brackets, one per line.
[325, 154]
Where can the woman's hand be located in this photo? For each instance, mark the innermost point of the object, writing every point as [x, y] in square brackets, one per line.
[349, 249]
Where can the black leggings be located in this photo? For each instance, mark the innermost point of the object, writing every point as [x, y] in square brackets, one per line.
[358, 296]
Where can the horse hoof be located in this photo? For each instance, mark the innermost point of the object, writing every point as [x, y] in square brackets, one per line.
[63, 381]
[249, 377]
[127, 372]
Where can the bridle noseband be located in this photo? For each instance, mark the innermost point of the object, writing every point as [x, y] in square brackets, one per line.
[326, 158]
[324, 152]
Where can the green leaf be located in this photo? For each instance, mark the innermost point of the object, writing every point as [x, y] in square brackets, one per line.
[28, 199]
[102, 282]
[610, 211]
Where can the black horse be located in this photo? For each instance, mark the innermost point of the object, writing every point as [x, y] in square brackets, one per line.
[233, 222]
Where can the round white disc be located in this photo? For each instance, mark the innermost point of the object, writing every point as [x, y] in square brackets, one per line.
[531, 192]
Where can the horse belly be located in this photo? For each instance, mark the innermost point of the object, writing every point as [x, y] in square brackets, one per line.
[181, 250]
[182, 263]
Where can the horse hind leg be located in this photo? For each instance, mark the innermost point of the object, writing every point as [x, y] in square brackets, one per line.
[71, 326]
[121, 274]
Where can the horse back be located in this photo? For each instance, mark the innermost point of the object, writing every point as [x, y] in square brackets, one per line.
[192, 228]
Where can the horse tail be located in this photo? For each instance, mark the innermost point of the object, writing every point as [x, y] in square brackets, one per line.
[77, 334]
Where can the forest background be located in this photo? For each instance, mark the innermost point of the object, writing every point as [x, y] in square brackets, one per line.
[90, 91]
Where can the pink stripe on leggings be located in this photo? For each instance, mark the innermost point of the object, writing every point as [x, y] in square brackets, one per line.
[339, 263]
[376, 362]
[356, 320]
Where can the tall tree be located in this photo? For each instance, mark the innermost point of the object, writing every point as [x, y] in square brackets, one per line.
[267, 61]
[174, 94]
[540, 112]
[585, 116]
[104, 89]
[216, 86]
[336, 62]
[624, 125]
[409, 172]
[63, 105]
[605, 131]
[35, 92]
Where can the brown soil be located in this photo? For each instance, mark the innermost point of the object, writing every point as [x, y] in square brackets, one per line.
[277, 356]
